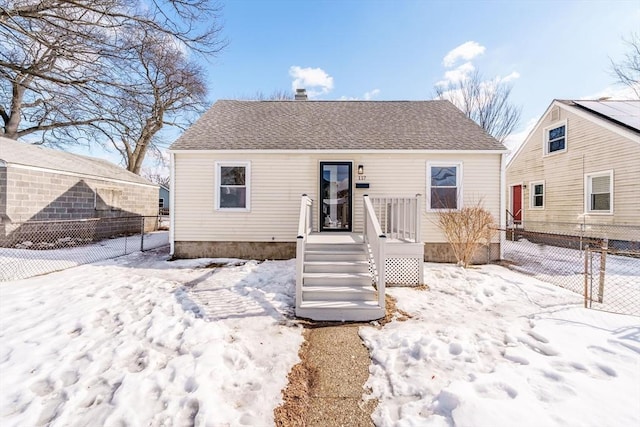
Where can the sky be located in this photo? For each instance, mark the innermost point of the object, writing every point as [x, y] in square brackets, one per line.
[399, 50]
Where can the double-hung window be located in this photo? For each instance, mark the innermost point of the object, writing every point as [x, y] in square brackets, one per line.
[537, 195]
[555, 138]
[232, 186]
[598, 196]
[444, 185]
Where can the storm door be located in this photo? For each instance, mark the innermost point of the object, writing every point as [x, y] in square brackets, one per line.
[335, 196]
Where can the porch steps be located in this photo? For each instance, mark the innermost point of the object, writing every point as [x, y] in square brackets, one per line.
[337, 284]
[336, 266]
[346, 311]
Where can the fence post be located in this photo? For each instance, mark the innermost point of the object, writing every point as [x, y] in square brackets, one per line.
[603, 261]
[586, 274]
[142, 234]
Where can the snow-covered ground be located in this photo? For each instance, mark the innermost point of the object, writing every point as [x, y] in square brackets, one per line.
[492, 347]
[23, 263]
[565, 267]
[141, 341]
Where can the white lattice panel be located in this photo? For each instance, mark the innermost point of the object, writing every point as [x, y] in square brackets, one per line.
[403, 271]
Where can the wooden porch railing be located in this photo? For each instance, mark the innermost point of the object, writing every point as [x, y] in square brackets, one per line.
[399, 216]
[304, 229]
[376, 241]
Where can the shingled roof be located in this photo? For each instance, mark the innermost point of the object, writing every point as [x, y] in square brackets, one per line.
[21, 153]
[335, 125]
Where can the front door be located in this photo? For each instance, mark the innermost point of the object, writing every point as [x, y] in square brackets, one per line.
[335, 194]
[516, 202]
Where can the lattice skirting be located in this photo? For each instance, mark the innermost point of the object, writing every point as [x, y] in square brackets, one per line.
[403, 271]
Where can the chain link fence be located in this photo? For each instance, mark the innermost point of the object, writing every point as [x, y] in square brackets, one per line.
[37, 247]
[581, 262]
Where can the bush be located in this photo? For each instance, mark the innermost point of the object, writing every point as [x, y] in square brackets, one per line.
[466, 229]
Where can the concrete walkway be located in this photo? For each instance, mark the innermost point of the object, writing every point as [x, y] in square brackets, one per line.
[342, 364]
[327, 387]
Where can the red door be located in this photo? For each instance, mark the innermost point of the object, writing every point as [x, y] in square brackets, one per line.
[516, 203]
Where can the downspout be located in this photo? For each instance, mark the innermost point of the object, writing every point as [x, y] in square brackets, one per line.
[503, 205]
[172, 204]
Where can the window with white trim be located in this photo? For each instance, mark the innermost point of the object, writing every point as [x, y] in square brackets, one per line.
[233, 186]
[555, 138]
[536, 200]
[444, 185]
[598, 196]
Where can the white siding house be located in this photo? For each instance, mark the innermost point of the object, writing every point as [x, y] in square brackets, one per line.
[578, 171]
[250, 179]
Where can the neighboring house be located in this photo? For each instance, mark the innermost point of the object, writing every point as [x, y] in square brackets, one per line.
[240, 172]
[578, 171]
[39, 184]
[164, 200]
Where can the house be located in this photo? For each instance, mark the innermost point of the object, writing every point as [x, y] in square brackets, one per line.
[164, 200]
[41, 185]
[578, 171]
[334, 184]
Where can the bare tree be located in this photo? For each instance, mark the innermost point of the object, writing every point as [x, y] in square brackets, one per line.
[164, 89]
[276, 95]
[484, 101]
[627, 71]
[159, 179]
[102, 70]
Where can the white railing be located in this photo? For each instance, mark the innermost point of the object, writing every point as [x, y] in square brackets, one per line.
[304, 229]
[399, 216]
[376, 241]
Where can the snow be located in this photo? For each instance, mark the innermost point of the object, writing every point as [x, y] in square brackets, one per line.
[23, 263]
[140, 340]
[492, 347]
[565, 267]
[143, 341]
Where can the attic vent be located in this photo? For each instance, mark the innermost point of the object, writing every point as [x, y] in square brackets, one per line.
[555, 114]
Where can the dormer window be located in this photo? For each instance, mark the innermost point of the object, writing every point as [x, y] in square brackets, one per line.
[555, 138]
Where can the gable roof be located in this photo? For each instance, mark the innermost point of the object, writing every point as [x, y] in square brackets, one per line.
[610, 122]
[335, 125]
[625, 113]
[24, 154]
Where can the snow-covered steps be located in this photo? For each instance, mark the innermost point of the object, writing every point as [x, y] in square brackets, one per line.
[336, 282]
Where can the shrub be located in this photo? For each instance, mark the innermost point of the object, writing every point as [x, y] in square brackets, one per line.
[466, 229]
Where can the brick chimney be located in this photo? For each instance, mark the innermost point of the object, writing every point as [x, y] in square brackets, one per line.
[301, 95]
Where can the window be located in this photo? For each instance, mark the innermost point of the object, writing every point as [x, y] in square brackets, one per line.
[233, 185]
[599, 192]
[161, 203]
[444, 185]
[555, 138]
[537, 195]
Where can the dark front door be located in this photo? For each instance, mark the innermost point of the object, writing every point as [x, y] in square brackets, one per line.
[335, 196]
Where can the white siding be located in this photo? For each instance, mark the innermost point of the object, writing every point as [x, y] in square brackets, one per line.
[590, 148]
[278, 181]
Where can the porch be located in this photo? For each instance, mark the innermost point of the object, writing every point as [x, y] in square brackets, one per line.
[341, 276]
